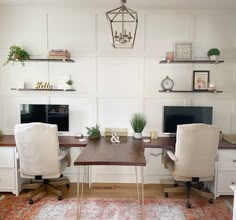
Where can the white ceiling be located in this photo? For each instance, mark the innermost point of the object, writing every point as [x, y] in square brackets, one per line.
[173, 4]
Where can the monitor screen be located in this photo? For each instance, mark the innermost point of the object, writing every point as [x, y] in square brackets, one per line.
[51, 114]
[177, 115]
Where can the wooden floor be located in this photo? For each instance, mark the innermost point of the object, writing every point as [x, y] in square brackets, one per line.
[113, 190]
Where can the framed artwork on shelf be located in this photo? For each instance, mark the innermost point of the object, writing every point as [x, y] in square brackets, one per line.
[183, 50]
[201, 80]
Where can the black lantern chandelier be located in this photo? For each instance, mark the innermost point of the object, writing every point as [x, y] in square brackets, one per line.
[123, 24]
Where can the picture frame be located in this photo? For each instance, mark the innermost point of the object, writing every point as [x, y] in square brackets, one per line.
[201, 80]
[183, 50]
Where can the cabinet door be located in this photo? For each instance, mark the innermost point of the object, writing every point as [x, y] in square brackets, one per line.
[7, 179]
[7, 156]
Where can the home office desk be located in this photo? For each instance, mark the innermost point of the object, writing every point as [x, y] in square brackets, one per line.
[102, 152]
[9, 175]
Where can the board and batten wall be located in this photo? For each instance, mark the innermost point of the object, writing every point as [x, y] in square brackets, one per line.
[111, 84]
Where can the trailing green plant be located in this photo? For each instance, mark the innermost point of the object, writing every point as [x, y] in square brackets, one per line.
[69, 82]
[213, 51]
[93, 131]
[138, 122]
[17, 53]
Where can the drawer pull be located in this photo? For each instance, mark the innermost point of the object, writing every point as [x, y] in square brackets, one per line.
[234, 161]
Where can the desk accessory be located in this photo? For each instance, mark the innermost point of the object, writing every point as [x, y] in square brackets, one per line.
[78, 135]
[231, 138]
[114, 138]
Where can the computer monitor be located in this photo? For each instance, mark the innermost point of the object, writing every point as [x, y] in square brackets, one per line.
[177, 115]
[51, 114]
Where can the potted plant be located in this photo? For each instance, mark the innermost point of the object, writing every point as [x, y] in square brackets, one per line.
[94, 132]
[138, 122]
[17, 53]
[213, 54]
[69, 84]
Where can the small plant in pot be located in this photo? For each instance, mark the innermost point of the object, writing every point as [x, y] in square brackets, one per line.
[94, 132]
[17, 53]
[138, 122]
[69, 84]
[213, 54]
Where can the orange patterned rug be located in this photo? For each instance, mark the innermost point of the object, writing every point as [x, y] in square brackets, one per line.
[49, 208]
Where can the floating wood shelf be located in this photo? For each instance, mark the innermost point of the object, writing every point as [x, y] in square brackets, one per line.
[48, 90]
[46, 60]
[191, 61]
[191, 91]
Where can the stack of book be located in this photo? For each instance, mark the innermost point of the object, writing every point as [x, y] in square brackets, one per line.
[59, 54]
[122, 133]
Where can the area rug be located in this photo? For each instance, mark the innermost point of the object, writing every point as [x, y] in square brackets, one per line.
[49, 208]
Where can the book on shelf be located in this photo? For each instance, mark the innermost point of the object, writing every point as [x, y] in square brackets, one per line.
[63, 57]
[59, 53]
[122, 133]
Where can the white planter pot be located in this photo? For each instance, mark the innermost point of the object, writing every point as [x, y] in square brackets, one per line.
[67, 87]
[138, 135]
[214, 57]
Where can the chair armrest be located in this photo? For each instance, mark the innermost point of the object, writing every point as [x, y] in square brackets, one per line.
[63, 153]
[171, 155]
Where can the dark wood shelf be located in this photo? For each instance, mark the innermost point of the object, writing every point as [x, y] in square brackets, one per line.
[48, 90]
[191, 61]
[191, 91]
[46, 60]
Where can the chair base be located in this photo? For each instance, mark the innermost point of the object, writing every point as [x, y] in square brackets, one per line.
[42, 187]
[188, 189]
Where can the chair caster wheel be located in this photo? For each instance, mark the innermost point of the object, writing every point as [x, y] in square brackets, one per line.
[189, 206]
[31, 201]
[210, 201]
[67, 186]
[59, 197]
[166, 195]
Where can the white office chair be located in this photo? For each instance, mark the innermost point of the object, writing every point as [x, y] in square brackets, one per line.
[194, 158]
[41, 159]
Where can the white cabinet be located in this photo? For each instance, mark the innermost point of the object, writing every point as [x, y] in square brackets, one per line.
[226, 172]
[8, 170]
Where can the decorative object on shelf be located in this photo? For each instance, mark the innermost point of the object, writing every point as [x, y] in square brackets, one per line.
[122, 133]
[138, 122]
[114, 138]
[59, 54]
[94, 132]
[17, 53]
[201, 80]
[212, 86]
[20, 85]
[43, 85]
[169, 56]
[213, 54]
[167, 84]
[123, 24]
[183, 50]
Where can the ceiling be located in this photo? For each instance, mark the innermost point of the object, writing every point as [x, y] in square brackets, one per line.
[173, 4]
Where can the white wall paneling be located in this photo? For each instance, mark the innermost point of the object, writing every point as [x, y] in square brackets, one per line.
[111, 84]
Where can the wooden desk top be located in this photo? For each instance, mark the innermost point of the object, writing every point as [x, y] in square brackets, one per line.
[103, 152]
[64, 141]
[169, 143]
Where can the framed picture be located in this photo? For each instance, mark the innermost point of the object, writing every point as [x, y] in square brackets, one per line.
[183, 50]
[201, 80]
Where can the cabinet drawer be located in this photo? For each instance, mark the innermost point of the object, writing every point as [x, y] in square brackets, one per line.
[225, 179]
[7, 157]
[227, 160]
[7, 179]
